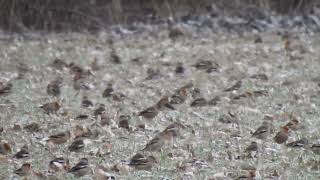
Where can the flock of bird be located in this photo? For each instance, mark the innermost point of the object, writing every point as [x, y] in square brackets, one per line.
[139, 161]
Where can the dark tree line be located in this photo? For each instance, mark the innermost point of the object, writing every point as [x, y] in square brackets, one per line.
[79, 15]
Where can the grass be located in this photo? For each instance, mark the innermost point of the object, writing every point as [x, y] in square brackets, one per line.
[213, 143]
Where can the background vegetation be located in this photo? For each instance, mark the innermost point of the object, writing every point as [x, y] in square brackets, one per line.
[80, 15]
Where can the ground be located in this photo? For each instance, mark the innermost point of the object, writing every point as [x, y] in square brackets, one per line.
[207, 147]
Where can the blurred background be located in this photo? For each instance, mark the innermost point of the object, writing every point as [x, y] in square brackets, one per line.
[93, 15]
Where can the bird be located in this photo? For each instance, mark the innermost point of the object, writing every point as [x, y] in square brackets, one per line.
[179, 96]
[24, 170]
[259, 93]
[299, 143]
[77, 70]
[140, 162]
[206, 65]
[99, 110]
[175, 32]
[263, 77]
[282, 135]
[53, 88]
[150, 112]
[60, 138]
[315, 148]
[5, 148]
[77, 145]
[5, 88]
[95, 65]
[214, 101]
[58, 64]
[155, 144]
[81, 84]
[108, 91]
[115, 58]
[59, 163]
[199, 102]
[171, 131]
[164, 103]
[252, 147]
[86, 102]
[153, 74]
[124, 121]
[32, 127]
[264, 130]
[81, 168]
[23, 153]
[105, 119]
[22, 69]
[179, 68]
[51, 107]
[235, 87]
[101, 173]
[293, 124]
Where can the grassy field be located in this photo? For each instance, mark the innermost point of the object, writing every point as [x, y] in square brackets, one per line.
[208, 146]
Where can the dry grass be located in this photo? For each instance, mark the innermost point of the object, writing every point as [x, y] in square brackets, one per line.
[214, 144]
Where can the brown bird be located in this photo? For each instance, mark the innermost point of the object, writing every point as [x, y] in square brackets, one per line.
[81, 84]
[175, 32]
[60, 138]
[77, 70]
[179, 68]
[214, 101]
[115, 58]
[52, 107]
[235, 87]
[264, 130]
[206, 65]
[259, 93]
[100, 110]
[140, 162]
[53, 88]
[155, 144]
[282, 135]
[299, 143]
[22, 70]
[24, 170]
[315, 148]
[82, 116]
[293, 124]
[86, 102]
[5, 88]
[170, 132]
[150, 112]
[32, 127]
[5, 148]
[262, 77]
[101, 173]
[164, 103]
[174, 128]
[23, 153]
[105, 119]
[179, 97]
[81, 168]
[124, 121]
[252, 147]
[59, 64]
[153, 73]
[199, 102]
[77, 145]
[59, 164]
[95, 65]
[108, 91]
